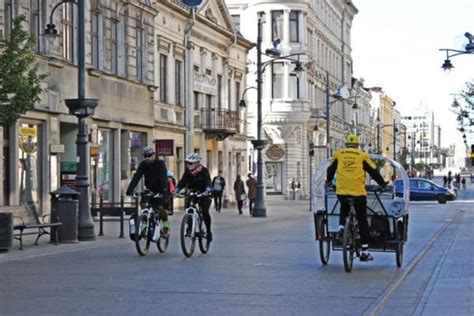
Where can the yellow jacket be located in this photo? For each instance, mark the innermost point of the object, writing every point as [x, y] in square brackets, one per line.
[350, 166]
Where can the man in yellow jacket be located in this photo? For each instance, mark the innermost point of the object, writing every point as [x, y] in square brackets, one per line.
[350, 165]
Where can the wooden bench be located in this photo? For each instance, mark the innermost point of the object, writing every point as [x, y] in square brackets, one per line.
[113, 210]
[25, 218]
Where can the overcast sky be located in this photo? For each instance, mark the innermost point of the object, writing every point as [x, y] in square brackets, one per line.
[396, 46]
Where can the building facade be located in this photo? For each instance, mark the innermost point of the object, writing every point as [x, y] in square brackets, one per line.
[145, 69]
[293, 106]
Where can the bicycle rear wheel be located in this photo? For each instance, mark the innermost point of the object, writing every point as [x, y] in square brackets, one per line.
[324, 242]
[142, 235]
[162, 243]
[187, 236]
[399, 249]
[348, 246]
[204, 243]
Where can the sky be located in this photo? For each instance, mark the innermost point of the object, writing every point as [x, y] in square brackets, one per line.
[395, 45]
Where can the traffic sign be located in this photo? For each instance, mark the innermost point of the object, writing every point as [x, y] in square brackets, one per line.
[192, 3]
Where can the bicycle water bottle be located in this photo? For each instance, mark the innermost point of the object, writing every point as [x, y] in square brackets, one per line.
[131, 226]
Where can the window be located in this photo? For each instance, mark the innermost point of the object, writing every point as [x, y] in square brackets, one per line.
[237, 95]
[229, 93]
[8, 18]
[209, 101]
[114, 48]
[236, 19]
[141, 55]
[68, 32]
[178, 78]
[35, 28]
[277, 24]
[294, 85]
[277, 80]
[294, 24]
[163, 76]
[95, 40]
[196, 100]
[219, 92]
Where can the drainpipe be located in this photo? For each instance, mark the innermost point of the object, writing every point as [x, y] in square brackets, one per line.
[188, 85]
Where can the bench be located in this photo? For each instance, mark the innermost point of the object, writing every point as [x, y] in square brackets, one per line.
[25, 219]
[113, 210]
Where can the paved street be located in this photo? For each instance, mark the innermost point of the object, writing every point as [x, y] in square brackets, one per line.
[256, 266]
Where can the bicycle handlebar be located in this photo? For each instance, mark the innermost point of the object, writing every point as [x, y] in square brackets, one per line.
[184, 193]
[148, 194]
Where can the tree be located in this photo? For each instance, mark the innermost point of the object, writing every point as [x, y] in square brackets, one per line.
[19, 75]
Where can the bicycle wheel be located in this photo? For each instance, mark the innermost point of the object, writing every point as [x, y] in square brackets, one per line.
[204, 243]
[142, 235]
[348, 246]
[324, 242]
[187, 235]
[163, 242]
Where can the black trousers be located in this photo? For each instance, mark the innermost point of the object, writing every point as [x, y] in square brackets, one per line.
[205, 204]
[360, 206]
[218, 199]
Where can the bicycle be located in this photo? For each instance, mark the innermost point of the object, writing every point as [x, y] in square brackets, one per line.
[351, 238]
[192, 225]
[146, 227]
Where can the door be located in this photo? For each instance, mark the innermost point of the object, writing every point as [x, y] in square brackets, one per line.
[273, 177]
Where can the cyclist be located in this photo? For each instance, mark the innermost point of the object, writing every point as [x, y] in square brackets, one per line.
[349, 165]
[156, 181]
[197, 178]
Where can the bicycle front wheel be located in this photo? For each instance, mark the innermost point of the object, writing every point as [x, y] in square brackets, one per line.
[142, 235]
[204, 242]
[324, 242]
[162, 243]
[187, 236]
[348, 248]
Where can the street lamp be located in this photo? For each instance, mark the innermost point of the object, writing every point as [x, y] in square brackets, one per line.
[468, 49]
[81, 108]
[311, 155]
[259, 143]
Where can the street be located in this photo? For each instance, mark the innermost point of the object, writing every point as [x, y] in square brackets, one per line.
[256, 266]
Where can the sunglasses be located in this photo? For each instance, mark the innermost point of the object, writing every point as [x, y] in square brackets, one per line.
[147, 156]
[190, 163]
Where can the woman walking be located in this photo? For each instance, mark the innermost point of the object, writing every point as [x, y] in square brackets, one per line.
[239, 190]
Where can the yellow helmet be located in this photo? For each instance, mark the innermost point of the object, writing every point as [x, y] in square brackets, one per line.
[352, 139]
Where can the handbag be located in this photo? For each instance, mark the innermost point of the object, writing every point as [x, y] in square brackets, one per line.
[243, 196]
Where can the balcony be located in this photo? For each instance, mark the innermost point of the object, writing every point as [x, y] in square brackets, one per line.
[219, 123]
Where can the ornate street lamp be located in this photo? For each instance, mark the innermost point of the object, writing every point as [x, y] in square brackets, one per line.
[81, 108]
[468, 49]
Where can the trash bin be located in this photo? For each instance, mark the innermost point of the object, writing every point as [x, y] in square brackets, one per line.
[64, 208]
[6, 231]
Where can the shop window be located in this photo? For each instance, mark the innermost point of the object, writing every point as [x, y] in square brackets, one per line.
[137, 143]
[104, 165]
[29, 169]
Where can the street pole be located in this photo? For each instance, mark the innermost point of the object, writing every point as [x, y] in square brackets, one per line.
[81, 108]
[259, 144]
[328, 118]
[378, 131]
[311, 154]
[394, 140]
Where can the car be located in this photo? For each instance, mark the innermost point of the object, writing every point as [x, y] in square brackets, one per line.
[425, 190]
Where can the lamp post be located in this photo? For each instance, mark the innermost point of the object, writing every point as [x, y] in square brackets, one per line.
[81, 108]
[394, 138]
[468, 49]
[311, 155]
[259, 143]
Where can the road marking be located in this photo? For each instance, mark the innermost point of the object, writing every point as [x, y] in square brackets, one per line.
[376, 306]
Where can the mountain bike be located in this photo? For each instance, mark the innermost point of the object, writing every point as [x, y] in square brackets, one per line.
[192, 224]
[146, 227]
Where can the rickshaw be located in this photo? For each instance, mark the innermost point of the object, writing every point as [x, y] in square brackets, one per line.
[387, 215]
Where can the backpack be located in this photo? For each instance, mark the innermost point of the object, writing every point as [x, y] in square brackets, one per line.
[379, 228]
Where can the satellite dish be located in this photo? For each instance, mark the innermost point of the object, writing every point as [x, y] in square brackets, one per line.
[342, 92]
[191, 3]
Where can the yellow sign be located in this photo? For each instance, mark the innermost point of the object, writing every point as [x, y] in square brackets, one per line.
[28, 131]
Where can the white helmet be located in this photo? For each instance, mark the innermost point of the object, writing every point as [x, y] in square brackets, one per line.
[148, 151]
[193, 158]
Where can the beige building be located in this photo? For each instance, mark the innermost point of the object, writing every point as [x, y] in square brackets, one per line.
[159, 72]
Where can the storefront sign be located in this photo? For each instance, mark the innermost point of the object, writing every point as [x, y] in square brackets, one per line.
[164, 147]
[56, 148]
[275, 152]
[94, 150]
[27, 131]
[205, 84]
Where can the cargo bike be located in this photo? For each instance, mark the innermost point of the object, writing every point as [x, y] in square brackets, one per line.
[387, 215]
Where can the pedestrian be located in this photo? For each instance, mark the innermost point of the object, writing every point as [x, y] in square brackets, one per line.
[239, 190]
[445, 182]
[295, 187]
[218, 185]
[463, 181]
[251, 191]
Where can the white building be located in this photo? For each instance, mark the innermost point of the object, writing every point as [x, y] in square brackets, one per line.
[294, 107]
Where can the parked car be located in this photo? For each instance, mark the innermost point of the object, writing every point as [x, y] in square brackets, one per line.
[425, 190]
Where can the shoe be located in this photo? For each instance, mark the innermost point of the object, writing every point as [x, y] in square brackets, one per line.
[218, 210]
[365, 257]
[240, 212]
[166, 232]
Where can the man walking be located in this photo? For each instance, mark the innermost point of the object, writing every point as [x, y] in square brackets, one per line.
[218, 185]
[251, 192]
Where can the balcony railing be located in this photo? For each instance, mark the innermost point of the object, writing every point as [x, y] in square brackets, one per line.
[220, 123]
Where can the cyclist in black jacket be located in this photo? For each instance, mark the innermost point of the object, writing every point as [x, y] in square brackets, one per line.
[197, 178]
[156, 180]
